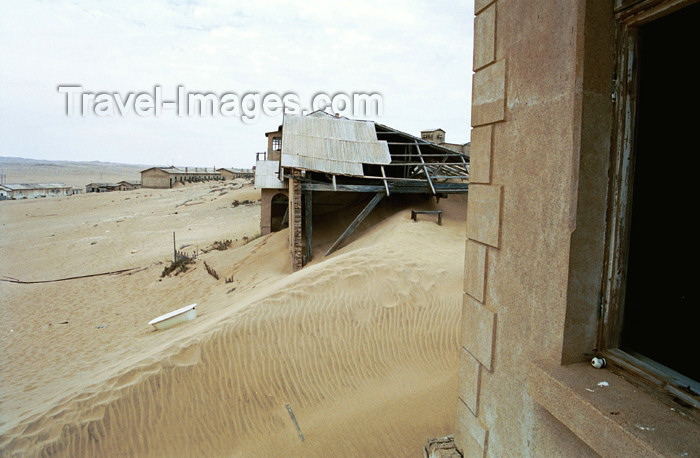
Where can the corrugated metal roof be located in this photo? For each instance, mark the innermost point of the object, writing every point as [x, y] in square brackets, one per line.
[235, 170]
[332, 145]
[187, 171]
[30, 186]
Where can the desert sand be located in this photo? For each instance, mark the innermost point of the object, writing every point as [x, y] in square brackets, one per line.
[362, 344]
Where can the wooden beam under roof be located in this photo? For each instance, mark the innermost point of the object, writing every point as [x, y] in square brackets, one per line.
[414, 188]
[427, 175]
[357, 221]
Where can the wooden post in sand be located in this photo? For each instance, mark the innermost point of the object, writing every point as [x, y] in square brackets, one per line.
[174, 249]
[307, 225]
[295, 240]
[358, 220]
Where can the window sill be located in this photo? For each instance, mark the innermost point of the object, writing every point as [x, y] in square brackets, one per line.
[617, 419]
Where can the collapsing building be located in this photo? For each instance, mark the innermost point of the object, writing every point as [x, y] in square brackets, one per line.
[167, 177]
[320, 157]
[11, 191]
[438, 136]
[232, 173]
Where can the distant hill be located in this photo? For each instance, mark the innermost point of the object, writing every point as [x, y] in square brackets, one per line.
[24, 161]
[23, 170]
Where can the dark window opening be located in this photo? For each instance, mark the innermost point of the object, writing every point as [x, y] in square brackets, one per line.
[662, 305]
[278, 212]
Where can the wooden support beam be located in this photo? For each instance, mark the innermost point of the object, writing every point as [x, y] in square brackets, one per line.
[408, 188]
[414, 180]
[357, 221]
[308, 216]
[427, 175]
[407, 153]
[386, 185]
[466, 166]
[285, 218]
[296, 243]
[439, 168]
[397, 163]
[450, 154]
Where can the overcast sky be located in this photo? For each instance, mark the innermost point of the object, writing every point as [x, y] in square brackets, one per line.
[416, 54]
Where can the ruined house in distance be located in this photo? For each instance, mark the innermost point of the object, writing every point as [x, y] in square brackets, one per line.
[123, 185]
[582, 227]
[126, 185]
[437, 136]
[101, 187]
[13, 191]
[317, 159]
[232, 174]
[167, 177]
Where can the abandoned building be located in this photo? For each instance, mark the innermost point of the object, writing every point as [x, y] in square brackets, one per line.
[582, 226]
[321, 158]
[232, 174]
[10, 191]
[128, 185]
[109, 187]
[437, 136]
[167, 177]
[101, 187]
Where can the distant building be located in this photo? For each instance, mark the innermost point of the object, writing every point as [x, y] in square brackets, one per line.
[230, 174]
[128, 185]
[433, 135]
[101, 187]
[437, 136]
[166, 177]
[267, 165]
[33, 190]
[274, 144]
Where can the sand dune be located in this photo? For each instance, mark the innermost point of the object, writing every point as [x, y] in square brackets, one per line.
[362, 345]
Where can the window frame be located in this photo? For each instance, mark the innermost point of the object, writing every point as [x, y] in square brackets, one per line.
[625, 96]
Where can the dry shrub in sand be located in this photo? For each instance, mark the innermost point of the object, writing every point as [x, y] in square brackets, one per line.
[178, 267]
[237, 202]
[221, 245]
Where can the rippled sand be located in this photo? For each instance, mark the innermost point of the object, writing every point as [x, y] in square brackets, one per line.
[362, 345]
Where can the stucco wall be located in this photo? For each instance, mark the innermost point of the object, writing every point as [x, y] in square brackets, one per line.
[155, 179]
[526, 143]
[543, 119]
[266, 196]
[266, 175]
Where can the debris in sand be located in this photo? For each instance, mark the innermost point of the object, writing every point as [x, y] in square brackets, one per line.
[179, 266]
[211, 270]
[175, 317]
[219, 245]
[294, 419]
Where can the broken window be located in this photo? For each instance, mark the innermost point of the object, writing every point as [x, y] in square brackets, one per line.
[276, 143]
[652, 306]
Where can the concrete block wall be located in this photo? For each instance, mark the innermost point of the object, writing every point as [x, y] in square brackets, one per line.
[479, 320]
